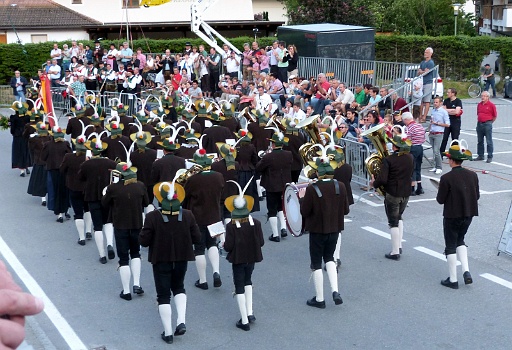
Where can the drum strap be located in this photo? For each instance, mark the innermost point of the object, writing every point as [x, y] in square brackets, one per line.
[337, 187]
[317, 190]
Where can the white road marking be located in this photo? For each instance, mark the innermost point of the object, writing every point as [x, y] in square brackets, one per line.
[504, 100]
[433, 253]
[496, 279]
[51, 311]
[366, 201]
[347, 220]
[379, 232]
[493, 138]
[501, 164]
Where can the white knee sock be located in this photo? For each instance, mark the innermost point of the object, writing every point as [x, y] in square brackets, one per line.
[135, 266]
[332, 275]
[79, 223]
[201, 268]
[338, 247]
[88, 221]
[124, 272]
[109, 233]
[462, 254]
[452, 266]
[395, 240]
[213, 255]
[318, 279]
[180, 301]
[282, 221]
[149, 208]
[98, 238]
[240, 298]
[165, 312]
[401, 230]
[273, 225]
[248, 299]
[258, 187]
[43, 199]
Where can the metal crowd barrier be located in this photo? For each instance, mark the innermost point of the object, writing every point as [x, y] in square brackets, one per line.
[60, 103]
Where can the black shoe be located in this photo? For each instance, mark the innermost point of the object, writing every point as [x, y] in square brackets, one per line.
[28, 171]
[419, 191]
[127, 296]
[216, 280]
[203, 286]
[338, 263]
[251, 318]
[467, 278]
[336, 297]
[452, 285]
[240, 325]
[489, 160]
[181, 329]
[67, 216]
[103, 260]
[167, 338]
[413, 193]
[479, 158]
[61, 219]
[400, 251]
[284, 233]
[138, 290]
[88, 236]
[111, 254]
[22, 174]
[392, 256]
[314, 303]
[81, 242]
[43, 203]
[275, 239]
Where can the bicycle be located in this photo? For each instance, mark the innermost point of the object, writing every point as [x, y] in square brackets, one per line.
[476, 88]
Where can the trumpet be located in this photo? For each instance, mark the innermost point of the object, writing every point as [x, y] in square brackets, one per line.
[261, 154]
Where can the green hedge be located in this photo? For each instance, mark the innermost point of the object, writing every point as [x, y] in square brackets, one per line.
[459, 57]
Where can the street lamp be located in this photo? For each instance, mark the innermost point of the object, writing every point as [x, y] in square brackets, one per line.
[456, 6]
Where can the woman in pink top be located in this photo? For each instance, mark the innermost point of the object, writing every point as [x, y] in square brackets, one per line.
[142, 59]
[264, 62]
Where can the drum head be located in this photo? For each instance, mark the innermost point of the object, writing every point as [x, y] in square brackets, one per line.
[291, 207]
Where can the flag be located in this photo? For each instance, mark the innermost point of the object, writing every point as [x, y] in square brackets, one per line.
[46, 97]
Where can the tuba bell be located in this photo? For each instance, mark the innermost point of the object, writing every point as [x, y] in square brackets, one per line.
[248, 115]
[309, 125]
[185, 174]
[377, 136]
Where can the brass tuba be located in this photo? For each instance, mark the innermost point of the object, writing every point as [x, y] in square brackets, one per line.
[309, 125]
[247, 115]
[377, 135]
[185, 174]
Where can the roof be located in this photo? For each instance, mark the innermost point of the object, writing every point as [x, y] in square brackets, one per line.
[326, 27]
[36, 14]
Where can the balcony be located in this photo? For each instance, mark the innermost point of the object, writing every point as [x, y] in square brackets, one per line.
[502, 21]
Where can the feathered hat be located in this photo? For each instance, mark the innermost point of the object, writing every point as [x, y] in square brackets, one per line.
[324, 164]
[228, 153]
[401, 140]
[201, 107]
[79, 108]
[81, 139]
[170, 195]
[95, 144]
[243, 135]
[57, 132]
[240, 205]
[116, 105]
[170, 143]
[228, 108]
[114, 125]
[459, 151]
[141, 137]
[126, 169]
[278, 137]
[190, 132]
[20, 107]
[200, 157]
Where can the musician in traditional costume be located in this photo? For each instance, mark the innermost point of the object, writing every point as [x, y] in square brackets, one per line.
[260, 139]
[247, 157]
[295, 140]
[395, 179]
[165, 168]
[230, 122]
[229, 168]
[276, 171]
[215, 133]
[459, 192]
[143, 158]
[20, 154]
[203, 198]
[244, 239]
[170, 233]
[126, 200]
[119, 109]
[74, 127]
[37, 185]
[96, 173]
[117, 142]
[323, 209]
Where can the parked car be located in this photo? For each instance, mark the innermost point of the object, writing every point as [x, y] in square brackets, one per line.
[437, 88]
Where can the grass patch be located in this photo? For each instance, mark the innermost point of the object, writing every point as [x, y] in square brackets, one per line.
[460, 86]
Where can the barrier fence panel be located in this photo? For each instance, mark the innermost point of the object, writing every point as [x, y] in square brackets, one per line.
[60, 102]
[355, 154]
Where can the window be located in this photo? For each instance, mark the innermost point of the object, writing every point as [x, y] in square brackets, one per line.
[39, 38]
[76, 2]
[130, 4]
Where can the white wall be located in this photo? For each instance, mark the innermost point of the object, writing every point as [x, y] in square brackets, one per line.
[275, 9]
[110, 11]
[53, 35]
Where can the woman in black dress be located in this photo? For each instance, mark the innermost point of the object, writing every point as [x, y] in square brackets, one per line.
[20, 154]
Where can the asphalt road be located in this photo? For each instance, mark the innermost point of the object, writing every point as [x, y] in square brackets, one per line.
[387, 304]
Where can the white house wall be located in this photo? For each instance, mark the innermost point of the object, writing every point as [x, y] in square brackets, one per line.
[51, 35]
[111, 11]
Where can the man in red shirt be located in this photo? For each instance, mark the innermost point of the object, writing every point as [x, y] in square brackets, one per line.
[398, 103]
[176, 78]
[487, 114]
[320, 100]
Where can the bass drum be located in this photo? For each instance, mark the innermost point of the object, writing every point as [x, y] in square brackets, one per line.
[292, 198]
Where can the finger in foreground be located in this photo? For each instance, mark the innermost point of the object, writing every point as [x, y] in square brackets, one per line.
[19, 303]
[11, 334]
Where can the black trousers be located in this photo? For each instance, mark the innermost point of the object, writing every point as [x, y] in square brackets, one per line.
[127, 245]
[78, 204]
[417, 156]
[206, 241]
[454, 232]
[169, 277]
[395, 207]
[453, 129]
[274, 203]
[99, 216]
[296, 175]
[322, 246]
[242, 274]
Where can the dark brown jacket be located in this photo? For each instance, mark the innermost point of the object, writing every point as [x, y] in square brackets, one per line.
[115, 150]
[230, 188]
[459, 192]
[195, 125]
[166, 167]
[244, 244]
[395, 175]
[294, 143]
[203, 193]
[74, 128]
[231, 123]
[53, 153]
[187, 150]
[126, 120]
[70, 167]
[215, 134]
[170, 241]
[143, 161]
[126, 203]
[247, 156]
[324, 214]
[35, 146]
[344, 174]
[260, 136]
[276, 170]
[95, 172]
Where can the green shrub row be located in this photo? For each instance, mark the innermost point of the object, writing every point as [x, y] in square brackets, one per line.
[459, 57]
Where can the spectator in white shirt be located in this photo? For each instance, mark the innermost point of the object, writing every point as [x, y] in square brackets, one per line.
[262, 100]
[233, 64]
[74, 49]
[54, 73]
[346, 97]
[56, 54]
[298, 113]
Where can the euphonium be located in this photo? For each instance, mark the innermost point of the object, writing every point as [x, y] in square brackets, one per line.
[247, 115]
[193, 170]
[309, 125]
[373, 163]
[307, 152]
[273, 120]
